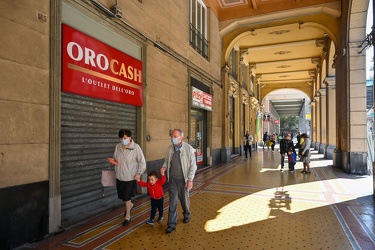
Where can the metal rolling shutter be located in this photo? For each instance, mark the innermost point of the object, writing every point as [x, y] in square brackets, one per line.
[89, 133]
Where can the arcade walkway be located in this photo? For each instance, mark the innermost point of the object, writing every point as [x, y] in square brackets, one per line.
[247, 204]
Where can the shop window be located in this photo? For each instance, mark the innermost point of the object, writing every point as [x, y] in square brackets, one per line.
[198, 27]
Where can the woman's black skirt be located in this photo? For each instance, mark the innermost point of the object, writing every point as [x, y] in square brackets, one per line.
[126, 189]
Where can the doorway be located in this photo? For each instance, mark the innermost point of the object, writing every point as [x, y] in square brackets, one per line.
[198, 135]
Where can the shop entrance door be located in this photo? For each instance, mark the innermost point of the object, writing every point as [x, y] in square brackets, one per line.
[198, 135]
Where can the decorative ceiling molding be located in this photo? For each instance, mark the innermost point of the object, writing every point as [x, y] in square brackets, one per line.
[252, 69]
[316, 60]
[323, 42]
[279, 32]
[232, 3]
[283, 66]
[282, 52]
[283, 45]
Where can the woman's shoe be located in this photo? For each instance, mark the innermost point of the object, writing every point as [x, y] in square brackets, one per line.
[126, 222]
[308, 172]
[303, 171]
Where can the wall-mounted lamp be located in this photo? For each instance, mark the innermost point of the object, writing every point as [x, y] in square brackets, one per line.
[148, 137]
[116, 10]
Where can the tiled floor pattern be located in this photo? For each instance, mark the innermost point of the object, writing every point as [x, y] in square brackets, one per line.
[246, 204]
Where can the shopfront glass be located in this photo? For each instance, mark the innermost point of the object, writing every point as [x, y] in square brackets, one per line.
[198, 135]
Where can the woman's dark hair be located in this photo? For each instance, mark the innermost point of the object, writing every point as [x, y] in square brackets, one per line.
[123, 132]
[304, 135]
[153, 173]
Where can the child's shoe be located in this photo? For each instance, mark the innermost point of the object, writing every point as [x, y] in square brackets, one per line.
[150, 222]
[160, 219]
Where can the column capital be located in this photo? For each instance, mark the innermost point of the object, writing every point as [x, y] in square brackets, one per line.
[322, 92]
[233, 88]
[330, 81]
[245, 96]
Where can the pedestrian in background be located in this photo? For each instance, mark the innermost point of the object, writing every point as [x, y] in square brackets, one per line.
[273, 142]
[248, 143]
[286, 144]
[305, 153]
[265, 139]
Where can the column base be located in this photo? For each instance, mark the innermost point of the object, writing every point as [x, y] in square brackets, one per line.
[328, 153]
[54, 214]
[358, 163]
[351, 162]
[225, 154]
[316, 146]
[321, 149]
[337, 158]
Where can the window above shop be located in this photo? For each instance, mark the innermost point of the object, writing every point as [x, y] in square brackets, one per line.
[198, 27]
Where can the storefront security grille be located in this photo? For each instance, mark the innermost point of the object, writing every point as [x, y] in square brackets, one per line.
[89, 133]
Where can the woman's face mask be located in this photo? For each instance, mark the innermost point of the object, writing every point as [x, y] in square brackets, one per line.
[125, 141]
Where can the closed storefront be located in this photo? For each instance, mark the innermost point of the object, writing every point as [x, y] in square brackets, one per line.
[101, 92]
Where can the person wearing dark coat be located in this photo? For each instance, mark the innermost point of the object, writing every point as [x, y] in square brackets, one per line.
[286, 145]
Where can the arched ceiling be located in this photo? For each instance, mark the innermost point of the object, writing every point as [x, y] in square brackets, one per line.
[284, 56]
[234, 9]
[283, 41]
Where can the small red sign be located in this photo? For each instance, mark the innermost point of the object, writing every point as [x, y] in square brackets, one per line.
[92, 68]
[277, 122]
[199, 156]
[201, 99]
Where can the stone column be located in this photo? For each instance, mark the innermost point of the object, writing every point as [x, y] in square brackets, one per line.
[55, 117]
[312, 123]
[357, 162]
[225, 150]
[317, 130]
[323, 121]
[331, 117]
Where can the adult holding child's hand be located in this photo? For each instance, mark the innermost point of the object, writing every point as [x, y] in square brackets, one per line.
[129, 163]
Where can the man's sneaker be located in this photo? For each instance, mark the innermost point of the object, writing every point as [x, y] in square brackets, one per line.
[160, 219]
[150, 222]
[281, 169]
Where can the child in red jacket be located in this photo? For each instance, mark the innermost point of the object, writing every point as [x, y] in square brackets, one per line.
[155, 190]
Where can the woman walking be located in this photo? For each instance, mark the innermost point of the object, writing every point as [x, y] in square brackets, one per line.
[305, 153]
[131, 164]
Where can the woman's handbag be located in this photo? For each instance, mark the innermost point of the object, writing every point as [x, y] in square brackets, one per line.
[109, 177]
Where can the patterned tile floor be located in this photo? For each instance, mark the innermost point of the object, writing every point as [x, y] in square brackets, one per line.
[246, 204]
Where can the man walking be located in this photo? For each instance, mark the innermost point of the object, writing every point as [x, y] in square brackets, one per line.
[181, 165]
[248, 143]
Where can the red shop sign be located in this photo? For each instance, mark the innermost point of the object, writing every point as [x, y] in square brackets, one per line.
[92, 68]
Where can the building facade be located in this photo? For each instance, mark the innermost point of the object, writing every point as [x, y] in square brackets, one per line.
[75, 72]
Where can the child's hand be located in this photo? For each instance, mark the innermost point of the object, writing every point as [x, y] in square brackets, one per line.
[137, 177]
[162, 171]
